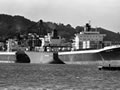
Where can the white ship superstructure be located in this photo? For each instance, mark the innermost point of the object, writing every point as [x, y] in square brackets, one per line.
[88, 39]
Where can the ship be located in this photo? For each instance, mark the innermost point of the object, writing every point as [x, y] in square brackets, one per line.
[17, 54]
[88, 47]
[107, 54]
[35, 49]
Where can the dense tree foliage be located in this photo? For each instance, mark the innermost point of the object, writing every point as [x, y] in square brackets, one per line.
[11, 26]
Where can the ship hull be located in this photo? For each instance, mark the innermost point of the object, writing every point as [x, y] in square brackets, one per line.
[7, 57]
[80, 58]
[44, 57]
[40, 57]
[112, 54]
[30, 57]
[91, 56]
[71, 57]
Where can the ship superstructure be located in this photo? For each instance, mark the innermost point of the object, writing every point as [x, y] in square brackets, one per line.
[88, 39]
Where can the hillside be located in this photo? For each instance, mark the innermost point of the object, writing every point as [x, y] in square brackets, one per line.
[10, 26]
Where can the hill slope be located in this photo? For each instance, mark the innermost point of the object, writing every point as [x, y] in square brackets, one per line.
[11, 25]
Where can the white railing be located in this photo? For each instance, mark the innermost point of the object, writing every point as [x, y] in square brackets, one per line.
[89, 51]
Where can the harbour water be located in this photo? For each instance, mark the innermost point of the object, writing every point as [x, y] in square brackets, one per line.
[57, 77]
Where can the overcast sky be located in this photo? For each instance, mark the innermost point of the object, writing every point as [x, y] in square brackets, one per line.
[102, 13]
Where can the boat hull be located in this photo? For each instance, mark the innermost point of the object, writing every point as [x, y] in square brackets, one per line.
[111, 54]
[30, 57]
[91, 56]
[111, 68]
[85, 58]
[44, 57]
[7, 57]
[71, 57]
[40, 57]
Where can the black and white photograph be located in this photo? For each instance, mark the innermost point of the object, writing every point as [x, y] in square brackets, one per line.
[59, 45]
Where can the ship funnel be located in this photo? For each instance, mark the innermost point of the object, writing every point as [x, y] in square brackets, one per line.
[88, 27]
[55, 34]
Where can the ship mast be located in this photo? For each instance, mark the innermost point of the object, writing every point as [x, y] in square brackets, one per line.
[40, 23]
[41, 29]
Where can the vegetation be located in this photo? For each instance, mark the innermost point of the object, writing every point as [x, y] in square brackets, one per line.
[11, 26]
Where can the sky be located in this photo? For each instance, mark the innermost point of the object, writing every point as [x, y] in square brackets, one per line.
[101, 13]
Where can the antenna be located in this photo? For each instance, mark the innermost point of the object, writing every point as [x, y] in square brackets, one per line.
[96, 28]
[89, 22]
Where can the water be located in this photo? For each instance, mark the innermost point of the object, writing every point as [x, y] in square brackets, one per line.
[57, 77]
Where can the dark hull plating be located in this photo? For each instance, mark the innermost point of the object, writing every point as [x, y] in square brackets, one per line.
[112, 54]
[106, 55]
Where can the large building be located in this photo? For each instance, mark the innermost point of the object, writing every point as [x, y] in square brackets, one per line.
[88, 39]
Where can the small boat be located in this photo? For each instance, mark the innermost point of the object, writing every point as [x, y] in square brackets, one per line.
[109, 67]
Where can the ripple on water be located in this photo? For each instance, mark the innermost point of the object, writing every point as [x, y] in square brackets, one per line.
[86, 77]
